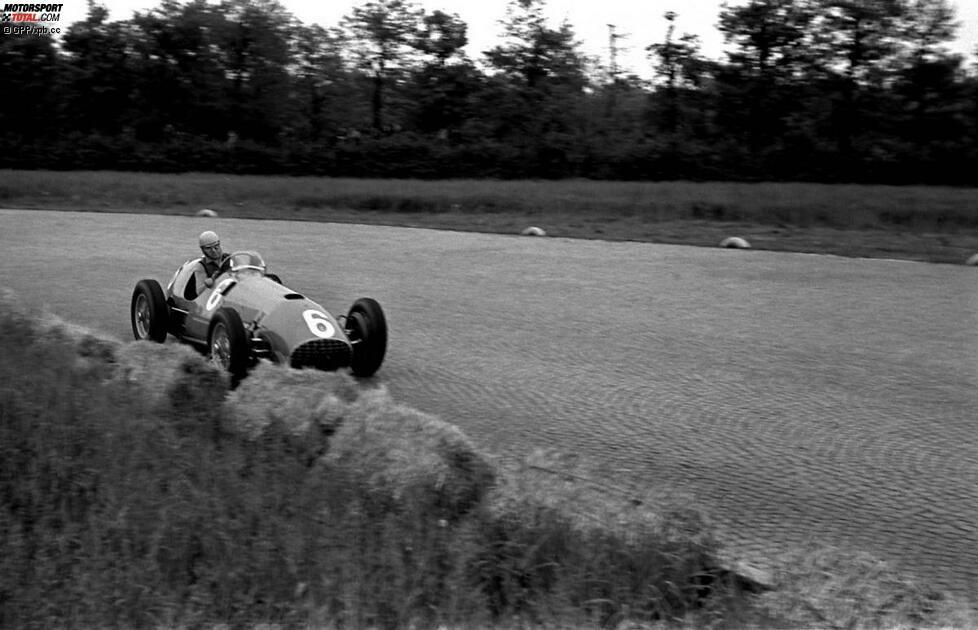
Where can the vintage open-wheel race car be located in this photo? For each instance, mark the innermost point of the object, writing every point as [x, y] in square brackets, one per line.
[248, 314]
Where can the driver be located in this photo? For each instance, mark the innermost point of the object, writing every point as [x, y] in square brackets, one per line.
[210, 263]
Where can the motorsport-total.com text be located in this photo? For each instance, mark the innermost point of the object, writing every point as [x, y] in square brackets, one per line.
[29, 13]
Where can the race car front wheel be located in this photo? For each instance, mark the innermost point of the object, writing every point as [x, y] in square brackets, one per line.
[366, 328]
[149, 313]
[228, 343]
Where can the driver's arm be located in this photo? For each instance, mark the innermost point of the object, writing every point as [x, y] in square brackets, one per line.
[202, 280]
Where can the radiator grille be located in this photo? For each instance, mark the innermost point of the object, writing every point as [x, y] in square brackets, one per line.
[322, 354]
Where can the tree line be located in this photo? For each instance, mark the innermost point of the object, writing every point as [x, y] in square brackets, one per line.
[809, 90]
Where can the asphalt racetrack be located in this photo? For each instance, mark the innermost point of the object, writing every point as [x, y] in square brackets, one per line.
[798, 398]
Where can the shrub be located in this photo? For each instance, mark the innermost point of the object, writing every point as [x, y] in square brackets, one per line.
[402, 456]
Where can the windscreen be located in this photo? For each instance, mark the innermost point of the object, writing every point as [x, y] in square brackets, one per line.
[247, 262]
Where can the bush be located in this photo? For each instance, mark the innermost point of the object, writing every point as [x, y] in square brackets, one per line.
[407, 155]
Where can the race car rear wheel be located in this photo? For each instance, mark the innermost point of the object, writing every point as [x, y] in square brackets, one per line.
[228, 343]
[366, 328]
[149, 312]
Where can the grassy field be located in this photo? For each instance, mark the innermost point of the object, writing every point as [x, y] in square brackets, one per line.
[936, 224]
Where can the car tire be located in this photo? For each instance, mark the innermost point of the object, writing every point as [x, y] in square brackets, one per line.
[227, 343]
[149, 312]
[366, 327]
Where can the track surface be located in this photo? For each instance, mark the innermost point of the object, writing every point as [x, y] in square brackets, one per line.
[799, 398]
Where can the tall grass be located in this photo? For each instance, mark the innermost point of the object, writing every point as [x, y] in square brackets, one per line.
[916, 208]
[135, 492]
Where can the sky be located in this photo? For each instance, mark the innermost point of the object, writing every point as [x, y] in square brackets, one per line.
[639, 22]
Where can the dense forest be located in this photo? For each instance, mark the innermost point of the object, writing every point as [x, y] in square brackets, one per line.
[809, 90]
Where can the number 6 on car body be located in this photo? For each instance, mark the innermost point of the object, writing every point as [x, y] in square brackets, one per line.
[318, 324]
[218, 293]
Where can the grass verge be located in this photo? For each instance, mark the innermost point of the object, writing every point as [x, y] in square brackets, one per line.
[937, 224]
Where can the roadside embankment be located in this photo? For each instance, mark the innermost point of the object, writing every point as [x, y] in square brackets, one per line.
[137, 489]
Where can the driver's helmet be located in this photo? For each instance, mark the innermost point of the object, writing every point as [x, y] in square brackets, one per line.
[209, 241]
